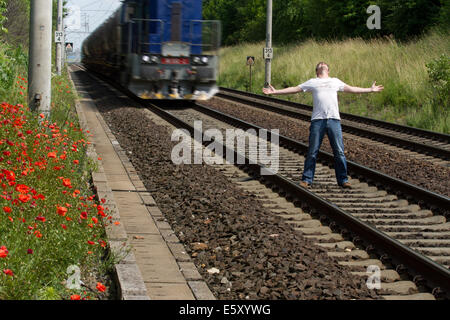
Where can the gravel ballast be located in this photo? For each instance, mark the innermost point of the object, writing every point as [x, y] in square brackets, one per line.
[421, 173]
[242, 250]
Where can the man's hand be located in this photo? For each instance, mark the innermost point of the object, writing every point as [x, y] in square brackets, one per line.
[269, 90]
[376, 88]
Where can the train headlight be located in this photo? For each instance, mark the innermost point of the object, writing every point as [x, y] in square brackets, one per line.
[154, 59]
[146, 59]
[204, 60]
[196, 60]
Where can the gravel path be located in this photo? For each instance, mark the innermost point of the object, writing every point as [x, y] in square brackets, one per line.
[258, 255]
[424, 174]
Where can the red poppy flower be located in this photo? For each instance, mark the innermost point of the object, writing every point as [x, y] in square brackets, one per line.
[22, 188]
[61, 211]
[67, 182]
[75, 297]
[24, 197]
[40, 218]
[30, 251]
[90, 242]
[100, 287]
[8, 272]
[7, 209]
[3, 252]
[51, 155]
[83, 215]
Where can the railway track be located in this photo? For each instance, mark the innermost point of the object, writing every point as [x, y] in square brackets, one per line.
[417, 143]
[367, 215]
[402, 229]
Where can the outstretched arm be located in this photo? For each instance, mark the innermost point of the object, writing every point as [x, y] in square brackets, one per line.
[272, 90]
[374, 88]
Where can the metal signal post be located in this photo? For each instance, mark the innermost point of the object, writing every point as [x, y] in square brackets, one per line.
[59, 45]
[267, 51]
[40, 56]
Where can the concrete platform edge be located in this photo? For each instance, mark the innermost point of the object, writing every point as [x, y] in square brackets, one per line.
[128, 278]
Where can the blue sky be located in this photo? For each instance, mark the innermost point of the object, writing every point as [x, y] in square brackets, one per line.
[95, 12]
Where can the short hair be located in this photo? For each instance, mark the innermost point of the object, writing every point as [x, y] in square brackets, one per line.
[319, 66]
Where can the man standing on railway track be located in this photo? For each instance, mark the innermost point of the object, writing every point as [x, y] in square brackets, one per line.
[325, 118]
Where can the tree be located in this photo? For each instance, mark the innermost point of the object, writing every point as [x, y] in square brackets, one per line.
[3, 17]
[18, 21]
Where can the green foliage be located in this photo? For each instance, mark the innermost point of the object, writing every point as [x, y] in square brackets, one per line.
[411, 95]
[295, 20]
[3, 17]
[48, 293]
[18, 20]
[407, 18]
[439, 78]
[13, 65]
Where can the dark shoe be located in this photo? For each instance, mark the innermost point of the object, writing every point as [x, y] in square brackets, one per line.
[304, 184]
[346, 185]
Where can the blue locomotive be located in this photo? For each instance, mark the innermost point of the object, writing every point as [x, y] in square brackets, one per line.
[157, 49]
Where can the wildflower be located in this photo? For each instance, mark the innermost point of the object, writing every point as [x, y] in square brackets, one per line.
[22, 188]
[83, 215]
[40, 218]
[100, 287]
[94, 219]
[8, 272]
[76, 161]
[67, 182]
[51, 155]
[117, 223]
[7, 209]
[24, 197]
[75, 297]
[30, 251]
[61, 211]
[91, 242]
[64, 226]
[3, 252]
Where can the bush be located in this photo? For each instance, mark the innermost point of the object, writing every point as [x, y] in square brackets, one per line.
[439, 78]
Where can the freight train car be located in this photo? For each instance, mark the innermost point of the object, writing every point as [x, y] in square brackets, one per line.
[157, 49]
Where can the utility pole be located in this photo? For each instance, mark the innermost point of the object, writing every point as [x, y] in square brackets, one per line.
[268, 51]
[40, 56]
[59, 46]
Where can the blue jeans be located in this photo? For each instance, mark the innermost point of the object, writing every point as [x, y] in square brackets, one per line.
[316, 132]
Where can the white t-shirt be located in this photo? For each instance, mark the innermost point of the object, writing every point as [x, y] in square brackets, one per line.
[325, 101]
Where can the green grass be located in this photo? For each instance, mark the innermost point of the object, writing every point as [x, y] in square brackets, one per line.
[408, 97]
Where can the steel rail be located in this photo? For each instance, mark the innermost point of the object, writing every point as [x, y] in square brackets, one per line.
[439, 137]
[420, 267]
[412, 192]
